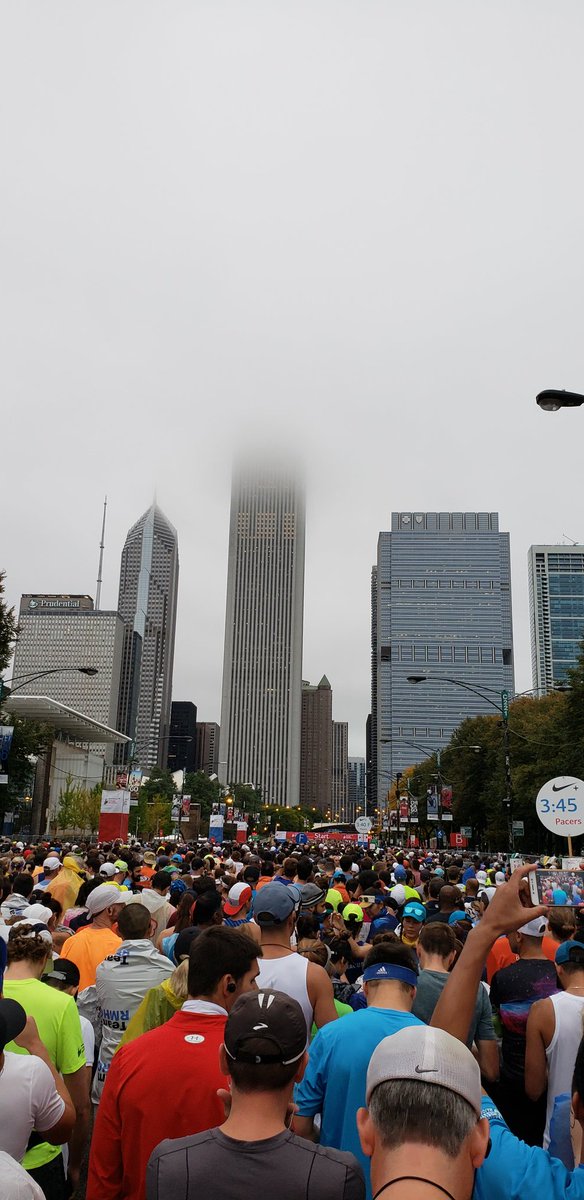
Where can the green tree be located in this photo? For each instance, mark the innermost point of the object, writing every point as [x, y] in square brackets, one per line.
[28, 740]
[159, 783]
[157, 817]
[67, 806]
[203, 790]
[89, 808]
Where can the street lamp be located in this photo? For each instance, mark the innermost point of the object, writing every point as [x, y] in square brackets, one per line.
[24, 680]
[553, 399]
[502, 707]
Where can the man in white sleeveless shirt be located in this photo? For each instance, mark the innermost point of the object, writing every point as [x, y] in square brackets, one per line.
[275, 909]
[554, 1032]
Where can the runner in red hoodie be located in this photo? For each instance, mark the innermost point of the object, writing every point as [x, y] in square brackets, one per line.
[165, 1083]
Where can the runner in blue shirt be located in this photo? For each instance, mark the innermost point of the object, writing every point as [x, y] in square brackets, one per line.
[334, 1081]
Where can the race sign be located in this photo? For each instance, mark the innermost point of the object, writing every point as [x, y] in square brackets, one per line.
[560, 806]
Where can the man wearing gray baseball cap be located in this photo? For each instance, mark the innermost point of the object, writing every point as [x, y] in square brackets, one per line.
[423, 1126]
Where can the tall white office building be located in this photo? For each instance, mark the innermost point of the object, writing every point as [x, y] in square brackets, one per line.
[262, 666]
[147, 604]
[56, 635]
[556, 604]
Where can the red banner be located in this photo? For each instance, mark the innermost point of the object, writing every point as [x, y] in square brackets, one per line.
[457, 839]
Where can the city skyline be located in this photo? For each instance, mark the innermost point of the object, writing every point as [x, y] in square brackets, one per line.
[162, 310]
[356, 726]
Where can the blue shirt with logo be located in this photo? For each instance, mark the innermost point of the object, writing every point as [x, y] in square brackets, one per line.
[335, 1078]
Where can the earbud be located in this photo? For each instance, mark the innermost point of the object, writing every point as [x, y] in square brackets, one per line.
[230, 987]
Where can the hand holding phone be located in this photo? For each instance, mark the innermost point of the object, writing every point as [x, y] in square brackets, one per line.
[558, 889]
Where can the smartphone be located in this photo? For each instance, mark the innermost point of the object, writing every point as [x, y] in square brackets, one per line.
[516, 862]
[560, 889]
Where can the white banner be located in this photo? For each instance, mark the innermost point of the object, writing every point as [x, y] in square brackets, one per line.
[115, 802]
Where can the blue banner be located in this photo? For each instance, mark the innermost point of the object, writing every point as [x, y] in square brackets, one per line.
[6, 732]
[432, 804]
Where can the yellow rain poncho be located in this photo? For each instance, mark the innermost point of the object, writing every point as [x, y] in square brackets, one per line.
[66, 886]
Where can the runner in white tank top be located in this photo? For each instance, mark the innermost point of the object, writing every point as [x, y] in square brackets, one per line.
[562, 1050]
[288, 974]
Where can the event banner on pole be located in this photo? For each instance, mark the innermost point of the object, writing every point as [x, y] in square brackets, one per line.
[216, 823]
[446, 796]
[113, 820]
[432, 804]
[413, 812]
[403, 810]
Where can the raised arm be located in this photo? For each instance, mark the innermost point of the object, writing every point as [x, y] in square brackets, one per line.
[509, 909]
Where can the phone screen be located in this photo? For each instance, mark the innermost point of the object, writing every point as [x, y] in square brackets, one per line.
[560, 889]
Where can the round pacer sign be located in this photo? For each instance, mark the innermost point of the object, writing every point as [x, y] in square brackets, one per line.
[560, 806]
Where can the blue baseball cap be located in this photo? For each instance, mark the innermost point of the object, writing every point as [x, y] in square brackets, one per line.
[273, 904]
[564, 952]
[399, 872]
[415, 910]
[438, 871]
[458, 915]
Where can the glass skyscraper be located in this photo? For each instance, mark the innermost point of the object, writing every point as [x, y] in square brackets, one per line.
[556, 602]
[147, 604]
[441, 605]
[262, 666]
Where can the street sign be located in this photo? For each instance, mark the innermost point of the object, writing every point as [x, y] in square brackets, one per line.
[466, 831]
[363, 824]
[560, 806]
[518, 828]
[505, 704]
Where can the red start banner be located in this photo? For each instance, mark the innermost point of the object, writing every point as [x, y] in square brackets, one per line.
[457, 839]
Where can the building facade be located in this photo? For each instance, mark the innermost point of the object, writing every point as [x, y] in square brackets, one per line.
[340, 772]
[208, 747]
[262, 665]
[61, 633]
[316, 745]
[147, 604]
[441, 602]
[556, 604]
[356, 788]
[182, 743]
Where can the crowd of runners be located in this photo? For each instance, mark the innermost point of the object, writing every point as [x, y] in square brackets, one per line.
[310, 1023]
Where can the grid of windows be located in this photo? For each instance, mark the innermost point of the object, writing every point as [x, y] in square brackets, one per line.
[262, 670]
[441, 605]
[556, 598]
[147, 603]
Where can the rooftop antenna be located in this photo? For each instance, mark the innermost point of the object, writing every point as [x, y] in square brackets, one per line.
[100, 568]
[569, 539]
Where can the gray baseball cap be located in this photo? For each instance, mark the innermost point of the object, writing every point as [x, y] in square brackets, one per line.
[426, 1056]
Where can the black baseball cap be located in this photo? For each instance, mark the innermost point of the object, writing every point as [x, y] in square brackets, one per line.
[64, 971]
[266, 1027]
[12, 1021]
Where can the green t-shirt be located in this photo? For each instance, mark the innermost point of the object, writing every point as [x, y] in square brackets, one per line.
[59, 1029]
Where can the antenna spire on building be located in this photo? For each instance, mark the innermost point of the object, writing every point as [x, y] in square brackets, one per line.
[100, 567]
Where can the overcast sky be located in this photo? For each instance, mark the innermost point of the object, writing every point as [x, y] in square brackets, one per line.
[354, 227]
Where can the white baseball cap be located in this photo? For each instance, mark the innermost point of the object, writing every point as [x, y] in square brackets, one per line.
[107, 870]
[535, 928]
[101, 898]
[430, 1056]
[51, 863]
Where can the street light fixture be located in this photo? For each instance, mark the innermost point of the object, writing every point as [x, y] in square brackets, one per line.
[552, 399]
[502, 707]
[24, 680]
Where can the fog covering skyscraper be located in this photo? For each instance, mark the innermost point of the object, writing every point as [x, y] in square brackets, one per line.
[262, 665]
[147, 604]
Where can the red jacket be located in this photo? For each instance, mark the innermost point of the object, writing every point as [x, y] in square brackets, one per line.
[162, 1085]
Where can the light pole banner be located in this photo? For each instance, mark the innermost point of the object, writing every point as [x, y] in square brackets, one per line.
[216, 824]
[446, 795]
[115, 809]
[432, 804]
[413, 812]
[6, 732]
